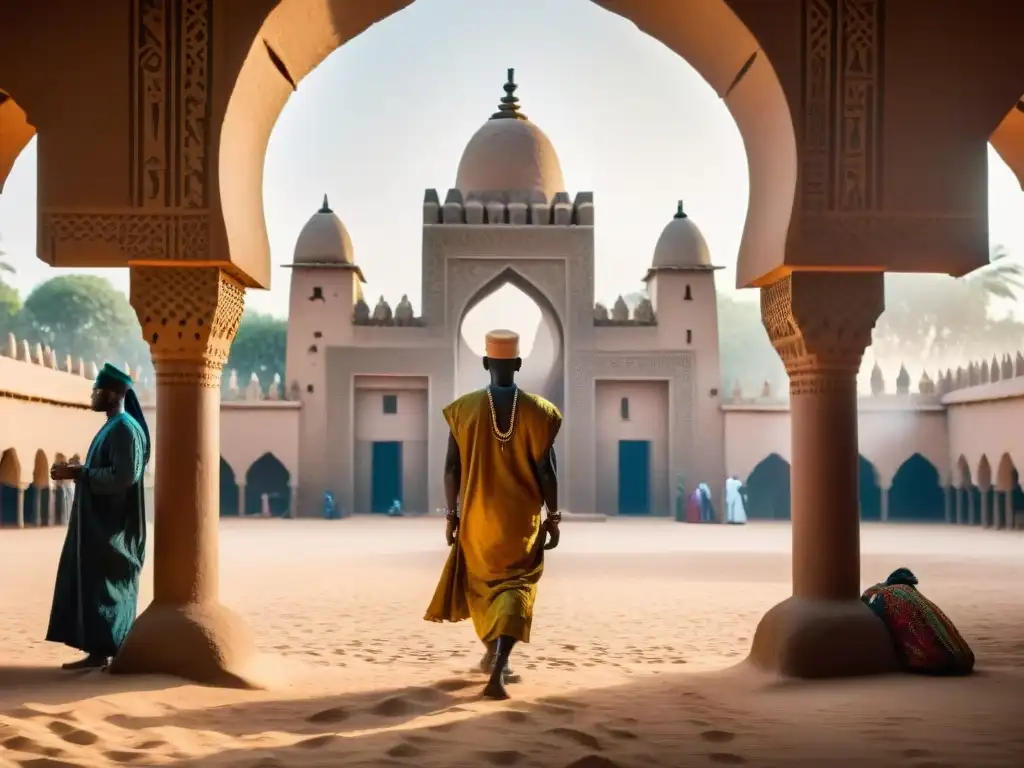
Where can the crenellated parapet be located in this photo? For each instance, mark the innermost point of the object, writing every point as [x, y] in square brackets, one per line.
[255, 392]
[561, 211]
[382, 316]
[930, 387]
[621, 316]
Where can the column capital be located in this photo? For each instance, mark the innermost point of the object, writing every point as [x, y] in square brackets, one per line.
[189, 317]
[820, 323]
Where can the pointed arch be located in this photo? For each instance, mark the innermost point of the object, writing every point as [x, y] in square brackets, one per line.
[984, 473]
[962, 476]
[512, 276]
[10, 481]
[228, 490]
[869, 490]
[297, 35]
[916, 494]
[36, 498]
[768, 489]
[61, 496]
[1005, 473]
[268, 476]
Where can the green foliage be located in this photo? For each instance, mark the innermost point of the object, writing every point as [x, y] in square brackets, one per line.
[259, 348]
[5, 267]
[10, 307]
[83, 316]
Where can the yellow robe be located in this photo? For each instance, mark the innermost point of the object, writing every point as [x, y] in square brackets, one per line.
[492, 570]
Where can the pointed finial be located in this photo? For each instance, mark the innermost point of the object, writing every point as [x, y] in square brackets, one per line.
[508, 109]
[325, 208]
[680, 213]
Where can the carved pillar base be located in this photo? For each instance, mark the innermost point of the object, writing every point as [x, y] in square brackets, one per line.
[189, 317]
[820, 324]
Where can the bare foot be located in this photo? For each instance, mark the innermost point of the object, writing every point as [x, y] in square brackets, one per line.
[495, 689]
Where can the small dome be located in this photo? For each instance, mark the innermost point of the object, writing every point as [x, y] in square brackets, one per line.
[509, 158]
[324, 240]
[681, 245]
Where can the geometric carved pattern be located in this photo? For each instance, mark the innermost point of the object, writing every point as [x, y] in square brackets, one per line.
[137, 235]
[171, 95]
[843, 79]
[189, 317]
[171, 98]
[820, 323]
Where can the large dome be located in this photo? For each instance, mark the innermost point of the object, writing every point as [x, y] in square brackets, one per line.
[509, 158]
[324, 240]
[681, 245]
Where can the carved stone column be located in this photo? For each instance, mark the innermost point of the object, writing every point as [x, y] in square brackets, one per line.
[820, 324]
[189, 317]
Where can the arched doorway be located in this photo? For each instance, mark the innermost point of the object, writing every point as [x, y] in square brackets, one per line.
[37, 495]
[916, 494]
[868, 490]
[10, 479]
[768, 490]
[62, 496]
[511, 301]
[228, 490]
[267, 475]
[299, 34]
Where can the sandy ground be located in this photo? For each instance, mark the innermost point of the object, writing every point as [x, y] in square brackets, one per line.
[638, 631]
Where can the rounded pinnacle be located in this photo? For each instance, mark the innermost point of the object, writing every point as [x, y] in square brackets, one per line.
[508, 109]
[680, 213]
[325, 208]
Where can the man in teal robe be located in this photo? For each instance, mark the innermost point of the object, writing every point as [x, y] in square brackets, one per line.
[96, 595]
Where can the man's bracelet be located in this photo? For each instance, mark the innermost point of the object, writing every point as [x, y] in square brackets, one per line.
[451, 515]
[555, 517]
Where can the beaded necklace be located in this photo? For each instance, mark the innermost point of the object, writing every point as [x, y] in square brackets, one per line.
[503, 437]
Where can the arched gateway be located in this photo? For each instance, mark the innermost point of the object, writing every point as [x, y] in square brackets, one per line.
[641, 399]
[855, 169]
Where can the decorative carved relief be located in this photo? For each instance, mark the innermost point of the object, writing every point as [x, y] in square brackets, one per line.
[189, 317]
[157, 236]
[171, 96]
[820, 323]
[171, 100]
[842, 104]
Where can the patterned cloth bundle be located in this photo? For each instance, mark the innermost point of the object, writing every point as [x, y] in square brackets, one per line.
[926, 640]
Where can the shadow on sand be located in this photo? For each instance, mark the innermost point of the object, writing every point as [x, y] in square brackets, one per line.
[735, 717]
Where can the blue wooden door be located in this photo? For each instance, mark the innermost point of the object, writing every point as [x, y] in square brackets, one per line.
[634, 477]
[386, 471]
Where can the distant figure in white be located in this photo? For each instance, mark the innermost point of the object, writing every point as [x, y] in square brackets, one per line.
[735, 513]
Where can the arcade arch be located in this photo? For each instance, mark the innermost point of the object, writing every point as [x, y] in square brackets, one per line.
[37, 494]
[229, 491]
[298, 35]
[542, 346]
[10, 488]
[916, 494]
[768, 489]
[268, 477]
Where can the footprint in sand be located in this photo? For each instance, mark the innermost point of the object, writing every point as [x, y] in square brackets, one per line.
[393, 706]
[618, 733]
[501, 757]
[316, 742]
[515, 716]
[452, 685]
[718, 737]
[579, 737]
[404, 749]
[593, 761]
[916, 753]
[73, 735]
[335, 715]
[726, 758]
[123, 756]
[29, 746]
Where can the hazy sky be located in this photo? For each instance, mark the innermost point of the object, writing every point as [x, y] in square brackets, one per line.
[389, 114]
